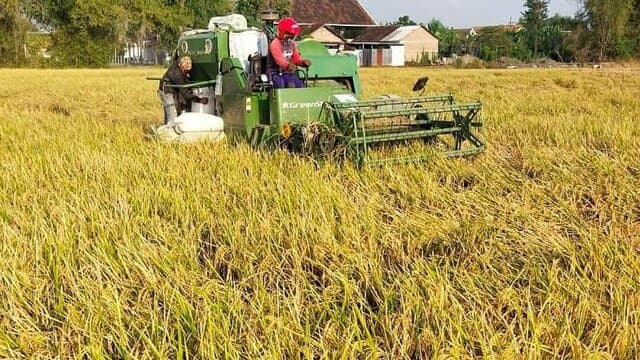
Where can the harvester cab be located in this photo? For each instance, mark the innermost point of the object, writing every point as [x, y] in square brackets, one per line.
[327, 117]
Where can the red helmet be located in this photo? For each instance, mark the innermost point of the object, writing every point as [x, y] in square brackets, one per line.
[288, 26]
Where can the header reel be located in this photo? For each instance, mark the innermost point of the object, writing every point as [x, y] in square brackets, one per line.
[389, 124]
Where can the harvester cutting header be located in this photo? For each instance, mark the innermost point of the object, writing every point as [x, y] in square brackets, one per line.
[303, 98]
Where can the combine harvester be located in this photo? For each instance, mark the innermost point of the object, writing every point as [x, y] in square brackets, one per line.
[325, 118]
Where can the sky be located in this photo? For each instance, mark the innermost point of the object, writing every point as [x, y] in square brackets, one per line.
[459, 13]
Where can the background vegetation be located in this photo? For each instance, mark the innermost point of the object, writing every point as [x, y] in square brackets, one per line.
[601, 30]
[85, 33]
[114, 246]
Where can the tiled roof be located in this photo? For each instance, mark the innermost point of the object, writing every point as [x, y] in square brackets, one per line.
[309, 29]
[347, 12]
[376, 33]
[400, 33]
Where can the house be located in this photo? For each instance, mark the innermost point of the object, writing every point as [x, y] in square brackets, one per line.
[340, 13]
[396, 45]
[326, 35]
[347, 24]
[345, 18]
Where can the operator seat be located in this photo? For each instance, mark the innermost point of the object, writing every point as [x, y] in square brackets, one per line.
[248, 46]
[259, 79]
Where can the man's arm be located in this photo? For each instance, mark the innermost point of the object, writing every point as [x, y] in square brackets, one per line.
[177, 78]
[297, 59]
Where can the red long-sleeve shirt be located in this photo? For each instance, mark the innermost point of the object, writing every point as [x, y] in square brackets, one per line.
[285, 52]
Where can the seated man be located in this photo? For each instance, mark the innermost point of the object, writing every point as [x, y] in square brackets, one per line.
[284, 57]
[177, 100]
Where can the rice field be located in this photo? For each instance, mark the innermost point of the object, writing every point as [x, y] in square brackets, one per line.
[116, 247]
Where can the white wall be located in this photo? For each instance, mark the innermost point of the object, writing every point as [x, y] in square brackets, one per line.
[397, 56]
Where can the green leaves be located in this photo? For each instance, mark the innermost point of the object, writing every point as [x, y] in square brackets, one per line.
[533, 18]
[446, 35]
[87, 32]
[404, 21]
[12, 32]
[251, 9]
[609, 21]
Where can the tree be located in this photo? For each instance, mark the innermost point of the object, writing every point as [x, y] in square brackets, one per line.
[557, 36]
[158, 19]
[13, 28]
[404, 21]
[533, 19]
[446, 36]
[203, 10]
[552, 40]
[608, 21]
[87, 32]
[93, 30]
[163, 20]
[634, 26]
[52, 13]
[251, 9]
[496, 42]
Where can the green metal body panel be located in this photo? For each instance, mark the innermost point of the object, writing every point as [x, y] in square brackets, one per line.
[247, 112]
[300, 106]
[310, 47]
[206, 49]
[234, 96]
[327, 66]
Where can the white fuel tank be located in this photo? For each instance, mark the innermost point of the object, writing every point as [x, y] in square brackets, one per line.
[192, 127]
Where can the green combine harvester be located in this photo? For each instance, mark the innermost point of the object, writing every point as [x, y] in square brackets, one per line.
[327, 117]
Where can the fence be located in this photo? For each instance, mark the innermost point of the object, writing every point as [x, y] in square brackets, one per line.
[143, 53]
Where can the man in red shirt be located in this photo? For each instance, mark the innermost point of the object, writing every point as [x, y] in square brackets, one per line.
[284, 57]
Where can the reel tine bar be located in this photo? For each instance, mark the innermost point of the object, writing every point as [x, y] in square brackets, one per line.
[389, 121]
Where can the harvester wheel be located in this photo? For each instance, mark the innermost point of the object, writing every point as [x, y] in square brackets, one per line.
[326, 142]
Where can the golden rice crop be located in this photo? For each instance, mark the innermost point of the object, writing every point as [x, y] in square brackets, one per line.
[113, 246]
